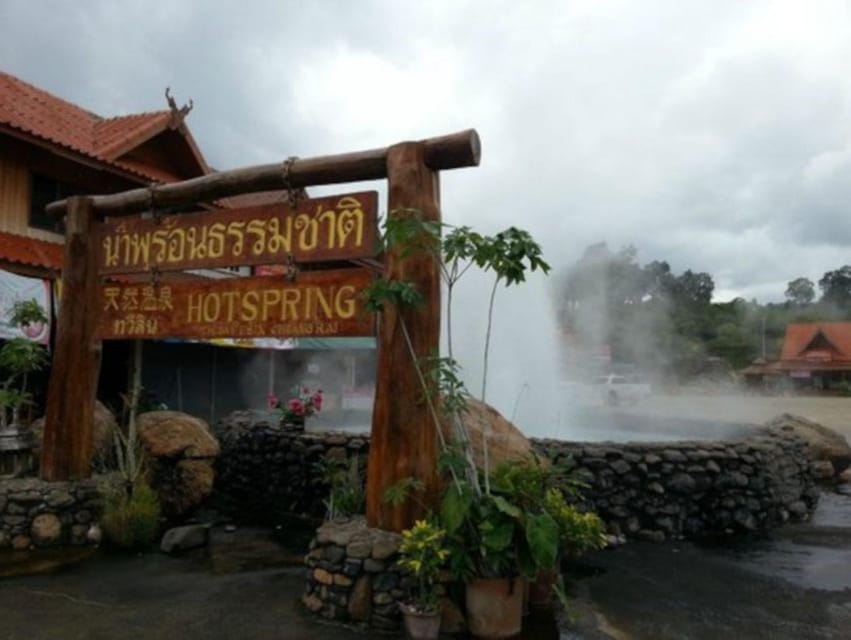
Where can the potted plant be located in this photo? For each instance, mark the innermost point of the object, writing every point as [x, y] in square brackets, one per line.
[423, 554]
[20, 357]
[303, 404]
[579, 532]
[498, 539]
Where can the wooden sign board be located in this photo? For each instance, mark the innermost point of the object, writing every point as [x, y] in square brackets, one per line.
[317, 303]
[334, 228]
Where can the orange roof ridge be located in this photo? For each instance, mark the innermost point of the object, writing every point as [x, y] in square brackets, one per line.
[115, 136]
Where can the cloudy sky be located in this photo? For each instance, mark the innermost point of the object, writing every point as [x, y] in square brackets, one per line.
[712, 134]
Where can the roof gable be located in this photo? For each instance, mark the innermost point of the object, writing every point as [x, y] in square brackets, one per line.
[27, 109]
[817, 338]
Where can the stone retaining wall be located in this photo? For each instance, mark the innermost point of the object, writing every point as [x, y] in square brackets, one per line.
[265, 472]
[692, 489]
[652, 491]
[352, 575]
[38, 513]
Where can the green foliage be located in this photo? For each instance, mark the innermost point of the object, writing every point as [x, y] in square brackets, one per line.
[801, 291]
[131, 520]
[404, 490]
[510, 254]
[836, 287]
[407, 232]
[522, 526]
[14, 399]
[579, 532]
[393, 292]
[20, 358]
[345, 487]
[26, 312]
[423, 554]
[444, 377]
[667, 324]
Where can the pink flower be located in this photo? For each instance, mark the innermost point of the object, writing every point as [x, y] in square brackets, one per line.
[317, 400]
[296, 406]
[272, 401]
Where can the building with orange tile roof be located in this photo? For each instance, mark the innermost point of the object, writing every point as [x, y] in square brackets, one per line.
[815, 355]
[51, 148]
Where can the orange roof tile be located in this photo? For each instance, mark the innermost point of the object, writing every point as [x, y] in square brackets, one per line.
[30, 251]
[799, 335]
[35, 112]
[114, 136]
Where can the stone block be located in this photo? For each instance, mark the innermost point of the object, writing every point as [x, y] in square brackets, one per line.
[46, 530]
[184, 538]
[360, 600]
[322, 576]
[21, 543]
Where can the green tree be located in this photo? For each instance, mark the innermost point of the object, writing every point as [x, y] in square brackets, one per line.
[801, 291]
[836, 287]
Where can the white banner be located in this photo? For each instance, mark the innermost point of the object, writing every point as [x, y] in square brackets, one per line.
[14, 288]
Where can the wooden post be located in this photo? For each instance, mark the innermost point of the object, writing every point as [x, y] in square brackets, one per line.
[404, 441]
[66, 451]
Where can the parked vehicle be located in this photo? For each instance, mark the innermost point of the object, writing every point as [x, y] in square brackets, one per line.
[617, 389]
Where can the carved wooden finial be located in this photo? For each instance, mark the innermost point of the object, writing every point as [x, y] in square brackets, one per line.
[178, 114]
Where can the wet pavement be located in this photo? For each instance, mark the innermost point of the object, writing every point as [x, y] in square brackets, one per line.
[794, 585]
[112, 597]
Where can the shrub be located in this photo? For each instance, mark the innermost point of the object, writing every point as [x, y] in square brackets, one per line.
[131, 521]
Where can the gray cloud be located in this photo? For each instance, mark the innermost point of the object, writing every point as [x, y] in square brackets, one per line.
[716, 135]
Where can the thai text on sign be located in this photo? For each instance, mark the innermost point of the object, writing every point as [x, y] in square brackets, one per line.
[317, 303]
[332, 228]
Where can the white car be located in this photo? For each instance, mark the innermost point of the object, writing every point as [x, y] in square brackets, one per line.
[616, 389]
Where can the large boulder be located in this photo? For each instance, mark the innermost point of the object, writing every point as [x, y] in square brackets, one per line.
[505, 441]
[103, 450]
[181, 457]
[825, 445]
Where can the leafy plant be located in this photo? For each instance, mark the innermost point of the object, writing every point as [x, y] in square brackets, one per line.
[19, 358]
[131, 521]
[129, 453]
[403, 491]
[345, 487]
[578, 532]
[523, 525]
[423, 554]
[508, 255]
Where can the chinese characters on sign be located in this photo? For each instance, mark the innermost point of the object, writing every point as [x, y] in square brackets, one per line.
[332, 228]
[319, 303]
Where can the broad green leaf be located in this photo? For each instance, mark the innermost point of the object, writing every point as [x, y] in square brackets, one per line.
[542, 535]
[506, 507]
[454, 508]
[497, 536]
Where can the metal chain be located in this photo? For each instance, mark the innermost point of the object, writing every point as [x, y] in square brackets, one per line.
[292, 268]
[155, 214]
[292, 193]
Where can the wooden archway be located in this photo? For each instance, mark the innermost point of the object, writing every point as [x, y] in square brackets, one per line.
[403, 439]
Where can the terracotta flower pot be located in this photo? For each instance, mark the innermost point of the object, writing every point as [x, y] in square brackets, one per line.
[420, 626]
[541, 590]
[495, 607]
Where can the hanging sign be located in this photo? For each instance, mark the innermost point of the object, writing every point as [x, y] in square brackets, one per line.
[15, 288]
[334, 228]
[317, 303]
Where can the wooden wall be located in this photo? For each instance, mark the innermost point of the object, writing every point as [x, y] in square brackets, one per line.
[15, 200]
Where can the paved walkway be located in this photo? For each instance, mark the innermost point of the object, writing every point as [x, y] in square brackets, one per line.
[154, 596]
